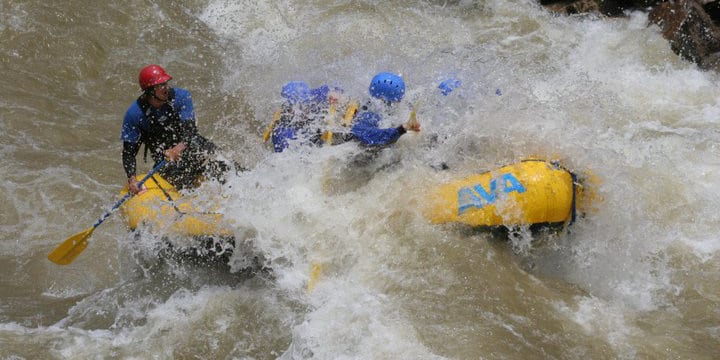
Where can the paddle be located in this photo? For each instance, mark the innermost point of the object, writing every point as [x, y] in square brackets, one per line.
[412, 123]
[268, 132]
[316, 269]
[66, 252]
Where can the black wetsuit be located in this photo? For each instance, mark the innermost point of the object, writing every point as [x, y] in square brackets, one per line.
[161, 129]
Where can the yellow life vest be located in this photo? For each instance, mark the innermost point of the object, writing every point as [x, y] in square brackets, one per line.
[327, 136]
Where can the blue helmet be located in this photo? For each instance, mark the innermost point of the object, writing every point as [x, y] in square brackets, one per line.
[296, 92]
[324, 93]
[447, 86]
[320, 94]
[387, 86]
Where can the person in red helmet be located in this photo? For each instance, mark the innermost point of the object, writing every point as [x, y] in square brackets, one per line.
[163, 118]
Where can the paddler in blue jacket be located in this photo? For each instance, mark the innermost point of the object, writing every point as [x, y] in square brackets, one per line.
[295, 118]
[387, 90]
[311, 115]
[163, 118]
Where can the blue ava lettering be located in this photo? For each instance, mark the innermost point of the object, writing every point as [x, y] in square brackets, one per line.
[476, 196]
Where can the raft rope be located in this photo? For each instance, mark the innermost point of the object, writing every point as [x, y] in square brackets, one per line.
[172, 202]
[169, 198]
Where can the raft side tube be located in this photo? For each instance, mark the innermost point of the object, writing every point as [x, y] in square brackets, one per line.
[176, 217]
[524, 193]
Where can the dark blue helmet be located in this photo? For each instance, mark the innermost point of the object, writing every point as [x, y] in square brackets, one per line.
[388, 87]
[296, 92]
[320, 94]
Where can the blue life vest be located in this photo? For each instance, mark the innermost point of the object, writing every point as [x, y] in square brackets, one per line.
[160, 128]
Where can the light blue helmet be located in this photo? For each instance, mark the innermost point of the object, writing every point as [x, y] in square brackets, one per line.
[388, 87]
[447, 86]
[296, 92]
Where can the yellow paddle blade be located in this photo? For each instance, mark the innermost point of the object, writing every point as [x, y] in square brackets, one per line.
[327, 137]
[331, 115]
[268, 131]
[352, 109]
[315, 271]
[66, 252]
[412, 121]
[413, 117]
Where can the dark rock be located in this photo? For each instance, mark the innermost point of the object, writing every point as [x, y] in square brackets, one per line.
[571, 7]
[618, 7]
[605, 7]
[713, 10]
[691, 31]
[691, 26]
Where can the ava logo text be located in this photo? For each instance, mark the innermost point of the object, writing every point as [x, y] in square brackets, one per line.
[476, 196]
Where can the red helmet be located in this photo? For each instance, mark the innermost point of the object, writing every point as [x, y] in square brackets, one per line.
[152, 75]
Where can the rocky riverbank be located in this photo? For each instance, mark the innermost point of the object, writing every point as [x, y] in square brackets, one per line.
[692, 27]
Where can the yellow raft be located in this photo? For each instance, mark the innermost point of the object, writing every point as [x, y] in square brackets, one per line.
[164, 209]
[525, 193]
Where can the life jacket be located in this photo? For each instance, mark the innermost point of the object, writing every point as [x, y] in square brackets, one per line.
[298, 121]
[163, 127]
[287, 117]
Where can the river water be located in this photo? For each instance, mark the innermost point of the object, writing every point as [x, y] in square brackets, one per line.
[637, 278]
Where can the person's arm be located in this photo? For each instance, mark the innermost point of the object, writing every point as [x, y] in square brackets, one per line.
[131, 144]
[366, 130]
[129, 153]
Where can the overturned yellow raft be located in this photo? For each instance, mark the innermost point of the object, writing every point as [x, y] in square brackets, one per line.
[525, 193]
[167, 212]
